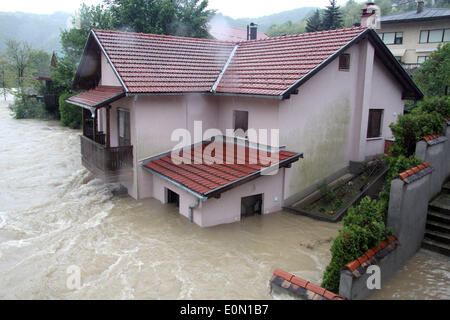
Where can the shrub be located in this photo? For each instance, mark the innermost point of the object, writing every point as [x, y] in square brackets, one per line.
[364, 228]
[439, 104]
[350, 244]
[26, 107]
[71, 115]
[410, 128]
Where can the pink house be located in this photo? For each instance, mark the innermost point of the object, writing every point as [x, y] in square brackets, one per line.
[331, 95]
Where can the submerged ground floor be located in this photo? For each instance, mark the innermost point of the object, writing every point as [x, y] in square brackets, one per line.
[60, 216]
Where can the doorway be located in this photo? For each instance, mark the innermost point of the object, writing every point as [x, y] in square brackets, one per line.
[252, 206]
[173, 198]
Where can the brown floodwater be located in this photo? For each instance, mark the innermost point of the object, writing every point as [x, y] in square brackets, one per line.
[54, 214]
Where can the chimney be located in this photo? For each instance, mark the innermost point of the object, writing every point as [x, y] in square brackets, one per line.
[370, 16]
[252, 31]
[420, 6]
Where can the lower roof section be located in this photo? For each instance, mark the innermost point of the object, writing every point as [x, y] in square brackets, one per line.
[211, 168]
[97, 97]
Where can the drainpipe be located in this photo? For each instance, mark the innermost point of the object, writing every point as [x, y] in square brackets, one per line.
[191, 209]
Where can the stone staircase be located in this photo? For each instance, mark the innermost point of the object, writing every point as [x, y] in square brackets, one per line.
[437, 233]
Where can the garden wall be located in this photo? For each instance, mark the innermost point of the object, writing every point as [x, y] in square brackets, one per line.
[408, 206]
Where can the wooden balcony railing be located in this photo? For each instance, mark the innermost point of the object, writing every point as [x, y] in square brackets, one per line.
[107, 160]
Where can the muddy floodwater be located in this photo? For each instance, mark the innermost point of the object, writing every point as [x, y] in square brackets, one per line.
[54, 214]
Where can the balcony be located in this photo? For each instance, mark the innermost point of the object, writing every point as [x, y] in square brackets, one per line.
[103, 161]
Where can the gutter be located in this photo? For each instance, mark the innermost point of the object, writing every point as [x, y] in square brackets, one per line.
[191, 209]
[258, 173]
[179, 185]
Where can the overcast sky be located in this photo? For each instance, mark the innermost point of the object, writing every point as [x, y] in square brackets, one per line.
[233, 8]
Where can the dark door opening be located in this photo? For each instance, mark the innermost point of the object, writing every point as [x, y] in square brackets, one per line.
[251, 206]
[173, 198]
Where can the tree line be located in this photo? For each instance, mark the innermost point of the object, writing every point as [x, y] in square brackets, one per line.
[335, 17]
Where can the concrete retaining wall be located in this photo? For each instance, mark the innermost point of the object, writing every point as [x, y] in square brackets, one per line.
[408, 206]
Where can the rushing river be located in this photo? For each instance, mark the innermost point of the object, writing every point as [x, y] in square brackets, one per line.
[54, 215]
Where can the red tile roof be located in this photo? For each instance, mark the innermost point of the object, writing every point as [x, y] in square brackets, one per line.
[271, 66]
[227, 33]
[149, 63]
[204, 179]
[97, 96]
[157, 63]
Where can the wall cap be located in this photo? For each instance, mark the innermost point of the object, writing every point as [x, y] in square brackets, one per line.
[416, 173]
[358, 266]
[302, 288]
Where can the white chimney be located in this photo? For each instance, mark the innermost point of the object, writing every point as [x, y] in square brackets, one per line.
[370, 16]
[420, 4]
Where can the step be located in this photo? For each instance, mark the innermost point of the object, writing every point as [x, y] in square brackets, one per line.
[437, 236]
[441, 204]
[438, 226]
[446, 188]
[438, 217]
[438, 247]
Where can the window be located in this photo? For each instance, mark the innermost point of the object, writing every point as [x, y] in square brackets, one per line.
[447, 35]
[124, 128]
[344, 61]
[392, 37]
[240, 120]
[435, 35]
[422, 59]
[374, 126]
[439, 35]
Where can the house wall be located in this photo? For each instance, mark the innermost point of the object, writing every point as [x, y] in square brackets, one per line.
[262, 112]
[327, 120]
[108, 77]
[157, 117]
[386, 95]
[411, 37]
[318, 122]
[227, 209]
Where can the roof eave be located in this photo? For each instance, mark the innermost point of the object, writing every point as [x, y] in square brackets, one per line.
[282, 164]
[326, 62]
[98, 105]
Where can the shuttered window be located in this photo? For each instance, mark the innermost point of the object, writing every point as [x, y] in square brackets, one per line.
[344, 61]
[374, 127]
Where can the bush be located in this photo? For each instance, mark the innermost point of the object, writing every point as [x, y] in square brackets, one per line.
[26, 107]
[70, 114]
[410, 128]
[439, 104]
[364, 228]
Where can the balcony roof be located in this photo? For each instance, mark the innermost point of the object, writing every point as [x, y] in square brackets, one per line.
[97, 97]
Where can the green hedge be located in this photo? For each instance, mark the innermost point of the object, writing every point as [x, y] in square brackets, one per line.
[71, 115]
[26, 107]
[364, 228]
[439, 104]
[410, 128]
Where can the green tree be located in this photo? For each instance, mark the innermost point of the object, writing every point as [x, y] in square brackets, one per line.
[5, 75]
[73, 42]
[351, 13]
[332, 17]
[314, 22]
[192, 18]
[433, 77]
[18, 55]
[286, 28]
[171, 17]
